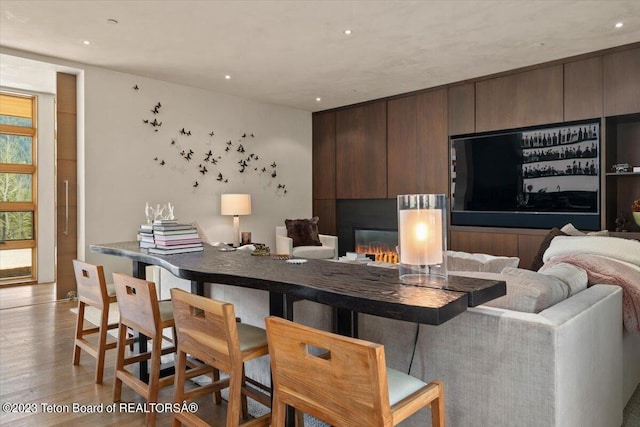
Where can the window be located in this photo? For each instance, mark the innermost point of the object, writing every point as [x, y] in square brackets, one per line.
[18, 187]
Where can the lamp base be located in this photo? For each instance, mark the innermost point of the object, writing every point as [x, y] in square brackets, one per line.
[423, 274]
[236, 231]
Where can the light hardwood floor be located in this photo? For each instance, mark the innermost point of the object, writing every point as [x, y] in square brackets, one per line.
[36, 344]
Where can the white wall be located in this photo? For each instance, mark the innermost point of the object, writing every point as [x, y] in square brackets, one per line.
[120, 173]
[117, 173]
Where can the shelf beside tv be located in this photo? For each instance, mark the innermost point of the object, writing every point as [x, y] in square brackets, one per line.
[622, 173]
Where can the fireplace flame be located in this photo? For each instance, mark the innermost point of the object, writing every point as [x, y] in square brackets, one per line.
[381, 251]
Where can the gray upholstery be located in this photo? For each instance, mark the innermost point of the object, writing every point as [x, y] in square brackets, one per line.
[401, 385]
[251, 336]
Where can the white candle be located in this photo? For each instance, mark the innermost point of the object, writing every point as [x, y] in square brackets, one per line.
[421, 236]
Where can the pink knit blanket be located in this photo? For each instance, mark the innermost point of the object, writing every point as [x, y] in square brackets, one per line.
[609, 271]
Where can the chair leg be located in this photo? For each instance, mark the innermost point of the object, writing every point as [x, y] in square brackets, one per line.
[102, 343]
[117, 382]
[154, 377]
[178, 392]
[243, 398]
[278, 412]
[217, 395]
[299, 419]
[235, 394]
[438, 416]
[79, 326]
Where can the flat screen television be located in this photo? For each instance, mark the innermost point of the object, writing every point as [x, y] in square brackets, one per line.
[537, 177]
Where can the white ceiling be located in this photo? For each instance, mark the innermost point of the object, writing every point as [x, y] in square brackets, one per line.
[290, 52]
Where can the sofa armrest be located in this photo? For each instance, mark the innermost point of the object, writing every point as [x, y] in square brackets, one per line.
[331, 241]
[284, 245]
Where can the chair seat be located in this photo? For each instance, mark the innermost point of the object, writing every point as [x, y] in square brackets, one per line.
[401, 385]
[251, 336]
[313, 252]
[166, 310]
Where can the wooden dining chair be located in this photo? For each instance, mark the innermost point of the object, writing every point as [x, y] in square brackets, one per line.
[209, 331]
[93, 291]
[342, 381]
[141, 311]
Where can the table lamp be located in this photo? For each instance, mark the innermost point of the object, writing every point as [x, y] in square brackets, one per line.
[236, 205]
[422, 238]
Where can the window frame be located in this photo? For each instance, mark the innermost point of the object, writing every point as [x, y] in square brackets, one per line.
[30, 169]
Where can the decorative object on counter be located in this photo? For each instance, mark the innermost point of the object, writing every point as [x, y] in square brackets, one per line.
[635, 211]
[261, 250]
[422, 238]
[282, 257]
[246, 237]
[621, 223]
[164, 212]
[236, 205]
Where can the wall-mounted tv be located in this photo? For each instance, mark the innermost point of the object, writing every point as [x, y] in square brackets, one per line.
[537, 177]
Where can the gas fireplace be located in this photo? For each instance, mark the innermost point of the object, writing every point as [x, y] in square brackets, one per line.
[381, 244]
[368, 226]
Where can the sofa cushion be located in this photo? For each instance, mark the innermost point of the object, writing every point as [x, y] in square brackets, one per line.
[575, 277]
[304, 232]
[464, 261]
[527, 291]
[537, 260]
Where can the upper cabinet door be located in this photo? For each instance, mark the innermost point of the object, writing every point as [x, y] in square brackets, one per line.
[324, 155]
[462, 107]
[622, 82]
[583, 89]
[361, 152]
[402, 164]
[523, 99]
[432, 145]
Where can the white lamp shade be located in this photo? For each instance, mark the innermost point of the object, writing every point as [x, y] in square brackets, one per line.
[235, 204]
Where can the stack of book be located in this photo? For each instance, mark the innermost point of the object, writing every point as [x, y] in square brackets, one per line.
[145, 236]
[170, 237]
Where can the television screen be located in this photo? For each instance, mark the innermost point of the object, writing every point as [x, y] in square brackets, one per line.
[531, 178]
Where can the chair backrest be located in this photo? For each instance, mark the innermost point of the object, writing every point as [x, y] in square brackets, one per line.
[138, 304]
[91, 284]
[346, 386]
[206, 329]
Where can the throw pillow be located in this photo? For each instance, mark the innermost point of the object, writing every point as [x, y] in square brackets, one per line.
[571, 230]
[537, 261]
[464, 261]
[304, 232]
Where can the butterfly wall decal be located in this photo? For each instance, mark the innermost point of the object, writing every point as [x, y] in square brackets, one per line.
[211, 133]
[196, 184]
[135, 87]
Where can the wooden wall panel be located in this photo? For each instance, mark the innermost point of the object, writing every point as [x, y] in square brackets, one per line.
[621, 74]
[583, 89]
[433, 142]
[522, 99]
[461, 107]
[402, 162]
[361, 152]
[326, 211]
[486, 243]
[66, 238]
[324, 155]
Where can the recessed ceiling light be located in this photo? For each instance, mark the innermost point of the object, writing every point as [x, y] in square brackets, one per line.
[619, 25]
[227, 76]
[86, 42]
[347, 32]
[318, 99]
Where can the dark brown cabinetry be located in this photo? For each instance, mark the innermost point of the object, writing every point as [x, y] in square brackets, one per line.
[462, 109]
[324, 156]
[621, 189]
[583, 89]
[361, 152]
[622, 82]
[417, 144]
[522, 99]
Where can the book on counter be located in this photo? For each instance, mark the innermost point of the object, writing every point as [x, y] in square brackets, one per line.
[170, 251]
[169, 237]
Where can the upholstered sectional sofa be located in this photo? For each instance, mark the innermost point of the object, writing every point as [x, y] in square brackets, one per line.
[544, 358]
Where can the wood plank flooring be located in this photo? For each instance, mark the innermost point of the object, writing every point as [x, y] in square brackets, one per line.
[36, 345]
